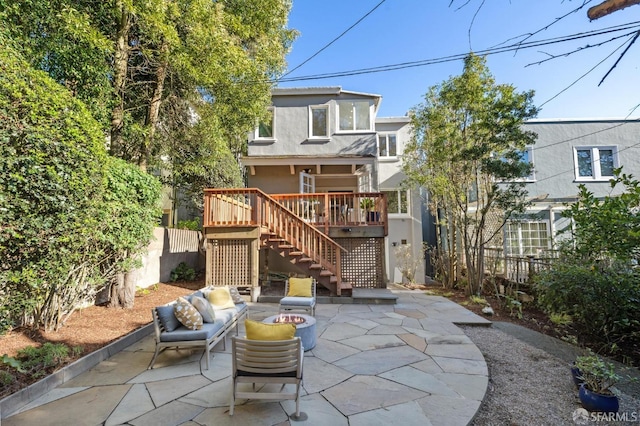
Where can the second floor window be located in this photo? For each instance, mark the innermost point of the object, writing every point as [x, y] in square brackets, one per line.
[319, 121]
[266, 128]
[354, 115]
[397, 202]
[387, 146]
[595, 163]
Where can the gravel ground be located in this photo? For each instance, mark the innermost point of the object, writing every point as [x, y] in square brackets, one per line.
[528, 386]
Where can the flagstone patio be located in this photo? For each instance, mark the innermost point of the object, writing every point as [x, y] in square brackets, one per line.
[406, 363]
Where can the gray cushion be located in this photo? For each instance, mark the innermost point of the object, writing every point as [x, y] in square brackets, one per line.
[167, 317]
[298, 301]
[208, 330]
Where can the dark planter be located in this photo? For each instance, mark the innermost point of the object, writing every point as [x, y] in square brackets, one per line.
[373, 216]
[575, 373]
[597, 402]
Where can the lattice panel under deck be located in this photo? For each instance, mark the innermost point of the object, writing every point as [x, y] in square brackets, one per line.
[363, 263]
[230, 262]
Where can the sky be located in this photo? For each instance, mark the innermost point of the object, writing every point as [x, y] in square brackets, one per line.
[410, 31]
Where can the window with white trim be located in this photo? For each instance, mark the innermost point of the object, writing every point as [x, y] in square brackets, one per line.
[595, 162]
[319, 121]
[524, 238]
[397, 201]
[354, 115]
[387, 145]
[526, 156]
[266, 129]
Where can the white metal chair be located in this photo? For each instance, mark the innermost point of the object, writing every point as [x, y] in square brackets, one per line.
[262, 361]
[307, 304]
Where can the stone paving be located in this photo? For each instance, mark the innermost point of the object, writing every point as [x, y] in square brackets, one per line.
[406, 363]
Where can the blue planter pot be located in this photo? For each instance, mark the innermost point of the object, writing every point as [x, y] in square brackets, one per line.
[575, 373]
[597, 402]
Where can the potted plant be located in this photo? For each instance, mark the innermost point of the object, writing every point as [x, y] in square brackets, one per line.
[598, 376]
[368, 205]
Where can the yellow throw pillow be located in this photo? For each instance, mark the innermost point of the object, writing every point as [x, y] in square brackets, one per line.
[300, 287]
[220, 298]
[261, 331]
[187, 314]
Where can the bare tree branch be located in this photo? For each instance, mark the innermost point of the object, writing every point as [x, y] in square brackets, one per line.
[608, 7]
[620, 58]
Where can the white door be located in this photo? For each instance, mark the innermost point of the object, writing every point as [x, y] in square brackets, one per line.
[307, 186]
[307, 183]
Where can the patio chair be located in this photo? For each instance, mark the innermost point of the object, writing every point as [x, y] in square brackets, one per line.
[266, 362]
[299, 294]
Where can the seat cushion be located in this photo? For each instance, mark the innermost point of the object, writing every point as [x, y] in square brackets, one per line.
[298, 301]
[261, 331]
[300, 287]
[182, 333]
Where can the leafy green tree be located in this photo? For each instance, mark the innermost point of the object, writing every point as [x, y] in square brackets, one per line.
[596, 280]
[71, 216]
[467, 151]
[607, 228]
[52, 157]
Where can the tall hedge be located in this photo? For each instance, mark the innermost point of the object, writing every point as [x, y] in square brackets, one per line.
[69, 214]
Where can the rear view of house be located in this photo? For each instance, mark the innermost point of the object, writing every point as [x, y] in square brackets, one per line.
[325, 197]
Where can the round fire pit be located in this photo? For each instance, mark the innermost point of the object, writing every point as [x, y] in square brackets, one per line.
[289, 319]
[305, 327]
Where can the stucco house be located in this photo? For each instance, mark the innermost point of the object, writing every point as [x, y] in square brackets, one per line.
[569, 152]
[334, 167]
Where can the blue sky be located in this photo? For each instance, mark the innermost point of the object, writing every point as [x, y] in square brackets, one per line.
[401, 31]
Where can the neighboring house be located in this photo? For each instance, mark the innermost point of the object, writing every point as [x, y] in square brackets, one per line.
[327, 158]
[569, 152]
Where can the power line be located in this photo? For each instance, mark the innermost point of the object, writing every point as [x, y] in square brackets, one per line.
[335, 39]
[491, 51]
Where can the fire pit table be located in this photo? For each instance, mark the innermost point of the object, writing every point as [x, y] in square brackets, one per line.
[305, 327]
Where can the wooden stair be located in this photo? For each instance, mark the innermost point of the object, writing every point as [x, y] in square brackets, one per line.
[297, 257]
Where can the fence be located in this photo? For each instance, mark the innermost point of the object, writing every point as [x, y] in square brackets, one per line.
[518, 269]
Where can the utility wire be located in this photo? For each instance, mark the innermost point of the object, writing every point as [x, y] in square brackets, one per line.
[335, 39]
[491, 51]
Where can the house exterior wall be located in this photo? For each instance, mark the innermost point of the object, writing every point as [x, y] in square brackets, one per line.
[403, 228]
[291, 136]
[555, 184]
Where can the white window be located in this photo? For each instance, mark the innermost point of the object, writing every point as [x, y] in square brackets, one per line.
[523, 238]
[266, 129]
[319, 121]
[387, 145]
[595, 162]
[397, 201]
[354, 115]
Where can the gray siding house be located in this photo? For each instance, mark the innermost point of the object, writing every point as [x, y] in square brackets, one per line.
[569, 152]
[326, 140]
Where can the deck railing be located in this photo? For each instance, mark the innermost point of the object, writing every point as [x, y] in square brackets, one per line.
[334, 209]
[252, 207]
[519, 269]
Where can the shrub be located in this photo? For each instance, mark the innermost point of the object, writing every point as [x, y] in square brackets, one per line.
[183, 272]
[601, 298]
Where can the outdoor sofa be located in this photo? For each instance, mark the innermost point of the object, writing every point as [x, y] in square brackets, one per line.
[170, 332]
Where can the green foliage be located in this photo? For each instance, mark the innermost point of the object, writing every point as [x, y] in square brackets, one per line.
[12, 362]
[39, 361]
[560, 319]
[52, 157]
[478, 300]
[183, 272]
[601, 298]
[467, 150]
[598, 375]
[595, 281]
[367, 204]
[73, 214]
[193, 225]
[608, 228]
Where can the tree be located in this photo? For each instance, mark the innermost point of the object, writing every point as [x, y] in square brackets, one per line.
[467, 151]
